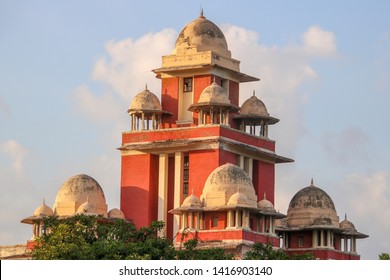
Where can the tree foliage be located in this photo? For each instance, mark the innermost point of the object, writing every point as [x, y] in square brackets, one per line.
[262, 251]
[384, 256]
[83, 237]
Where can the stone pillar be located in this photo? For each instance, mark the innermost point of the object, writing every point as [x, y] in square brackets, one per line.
[178, 183]
[314, 239]
[163, 190]
[238, 219]
[191, 220]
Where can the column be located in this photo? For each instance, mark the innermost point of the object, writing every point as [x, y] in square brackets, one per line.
[237, 219]
[163, 190]
[263, 224]
[191, 220]
[314, 239]
[271, 224]
[328, 238]
[178, 183]
[322, 238]
[250, 168]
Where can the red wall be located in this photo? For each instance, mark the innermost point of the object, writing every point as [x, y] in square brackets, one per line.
[202, 163]
[216, 235]
[169, 100]
[208, 220]
[196, 132]
[264, 180]
[139, 187]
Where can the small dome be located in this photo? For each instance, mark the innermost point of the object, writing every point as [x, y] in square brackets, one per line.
[145, 101]
[201, 35]
[192, 202]
[238, 199]
[265, 205]
[255, 110]
[214, 93]
[75, 192]
[223, 182]
[347, 225]
[43, 210]
[87, 208]
[116, 213]
[312, 206]
[254, 107]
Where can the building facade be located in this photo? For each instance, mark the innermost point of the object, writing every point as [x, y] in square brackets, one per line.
[204, 164]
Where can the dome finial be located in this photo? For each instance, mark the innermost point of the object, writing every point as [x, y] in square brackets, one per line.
[43, 201]
[312, 182]
[265, 195]
[345, 216]
[146, 86]
[254, 93]
[201, 12]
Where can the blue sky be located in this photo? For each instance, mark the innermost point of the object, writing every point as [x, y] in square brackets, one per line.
[69, 70]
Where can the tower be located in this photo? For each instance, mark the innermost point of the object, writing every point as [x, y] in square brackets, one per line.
[195, 160]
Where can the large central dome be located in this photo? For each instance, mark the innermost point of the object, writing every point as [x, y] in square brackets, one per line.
[77, 190]
[201, 35]
[312, 206]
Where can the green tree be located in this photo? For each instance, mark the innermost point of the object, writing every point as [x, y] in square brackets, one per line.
[262, 251]
[193, 252]
[85, 237]
[384, 256]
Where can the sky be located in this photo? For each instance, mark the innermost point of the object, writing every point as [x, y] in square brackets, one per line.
[69, 70]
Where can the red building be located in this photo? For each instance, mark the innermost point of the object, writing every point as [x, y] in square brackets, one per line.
[198, 160]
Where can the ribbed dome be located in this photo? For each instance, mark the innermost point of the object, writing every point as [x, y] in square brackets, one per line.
[75, 192]
[43, 210]
[255, 111]
[116, 213]
[312, 206]
[265, 205]
[191, 202]
[145, 101]
[347, 225]
[87, 208]
[214, 93]
[201, 35]
[254, 107]
[225, 181]
[238, 199]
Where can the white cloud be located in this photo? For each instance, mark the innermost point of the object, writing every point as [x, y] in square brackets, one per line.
[15, 152]
[283, 70]
[102, 108]
[129, 63]
[317, 41]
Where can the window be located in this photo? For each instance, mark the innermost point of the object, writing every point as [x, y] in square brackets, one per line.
[300, 241]
[215, 222]
[186, 174]
[187, 85]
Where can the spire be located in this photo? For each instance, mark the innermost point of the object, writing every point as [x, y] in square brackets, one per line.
[201, 12]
